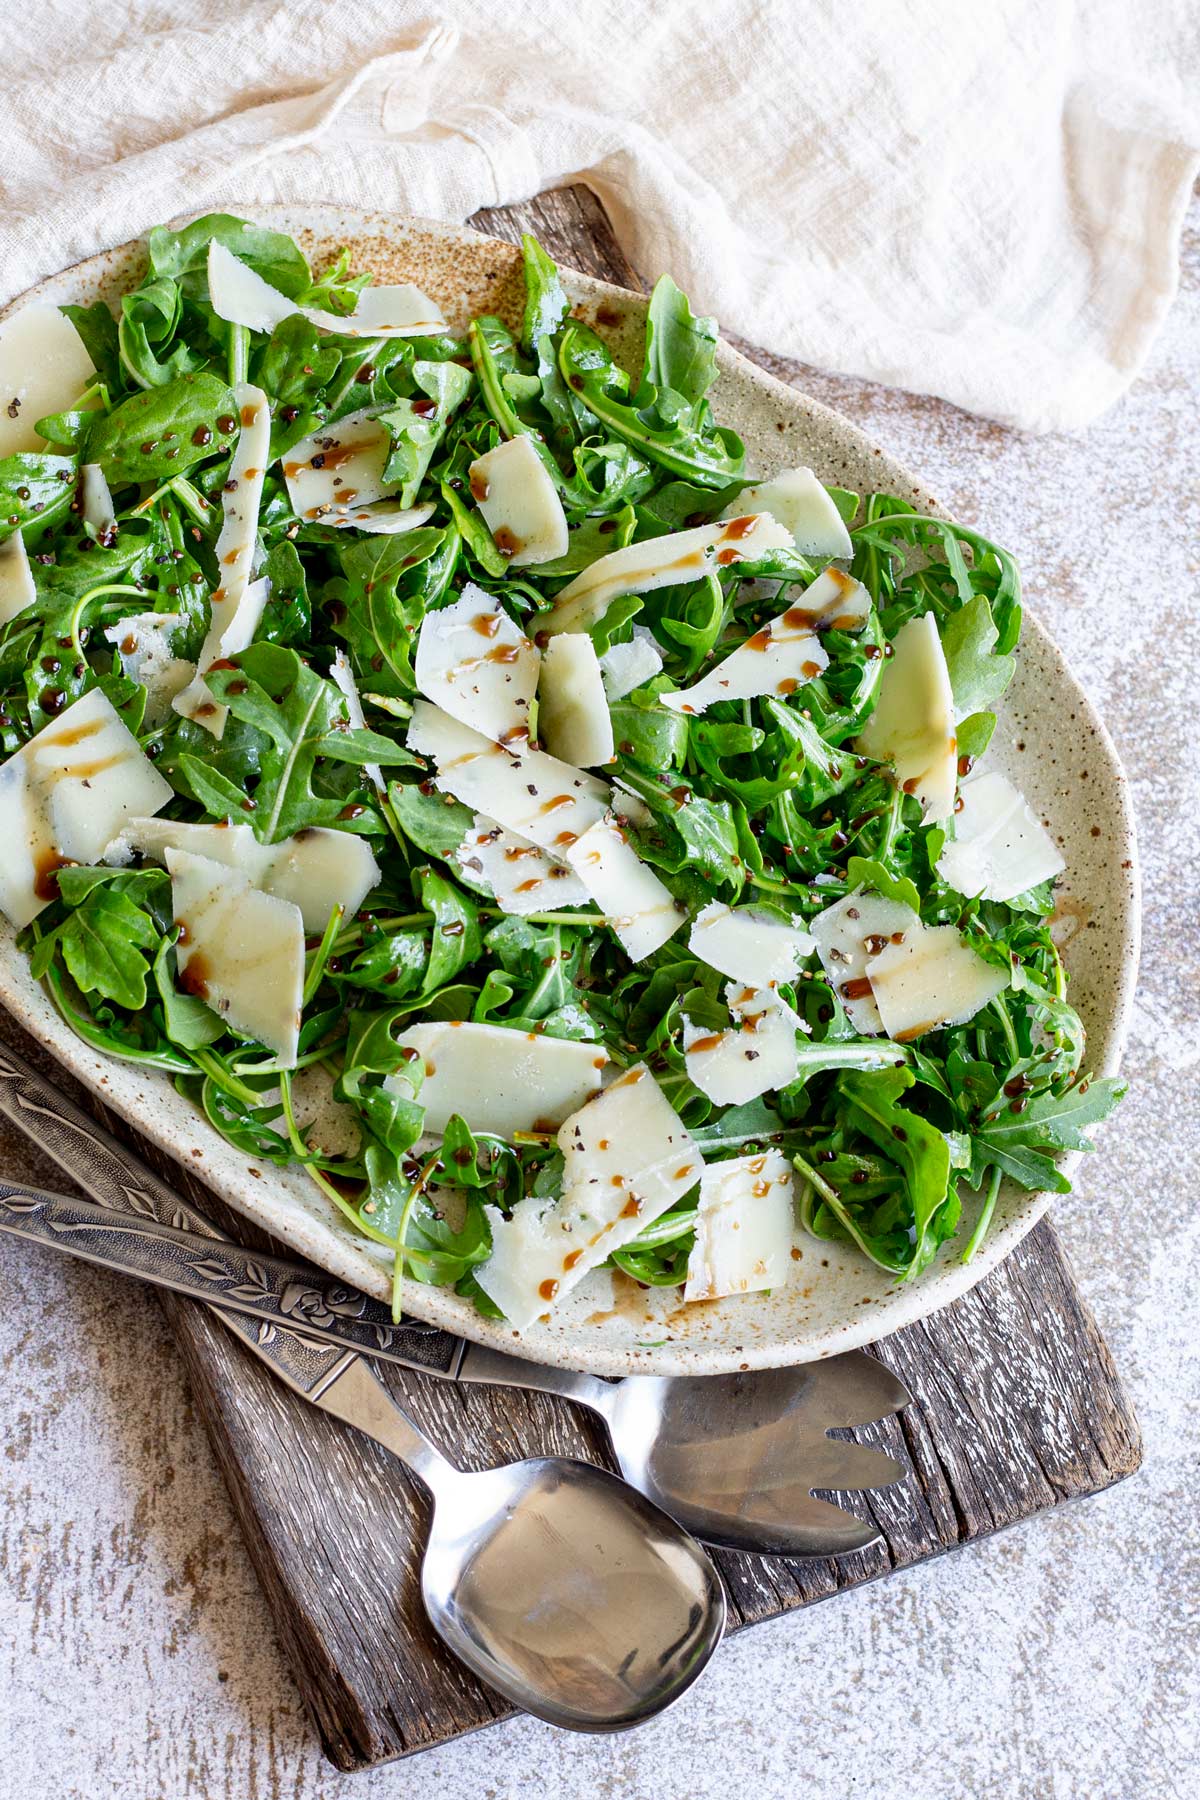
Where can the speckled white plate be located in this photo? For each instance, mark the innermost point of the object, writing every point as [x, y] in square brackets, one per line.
[1048, 740]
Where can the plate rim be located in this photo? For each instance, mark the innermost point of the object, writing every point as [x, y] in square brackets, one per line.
[441, 1307]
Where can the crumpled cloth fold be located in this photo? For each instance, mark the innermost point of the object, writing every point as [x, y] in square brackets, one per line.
[978, 202]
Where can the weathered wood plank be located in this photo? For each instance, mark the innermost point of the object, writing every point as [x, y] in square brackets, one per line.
[1017, 1407]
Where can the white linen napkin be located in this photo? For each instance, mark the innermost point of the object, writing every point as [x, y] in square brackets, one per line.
[978, 202]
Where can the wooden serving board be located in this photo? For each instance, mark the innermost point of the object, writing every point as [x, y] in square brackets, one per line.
[1016, 1407]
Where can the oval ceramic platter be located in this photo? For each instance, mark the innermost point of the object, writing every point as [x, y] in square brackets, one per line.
[1048, 740]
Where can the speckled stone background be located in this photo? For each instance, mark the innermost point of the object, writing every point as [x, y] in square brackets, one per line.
[1059, 1662]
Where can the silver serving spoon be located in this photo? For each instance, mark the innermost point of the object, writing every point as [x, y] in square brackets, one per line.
[557, 1583]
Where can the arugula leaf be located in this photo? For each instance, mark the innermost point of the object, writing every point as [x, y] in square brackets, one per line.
[102, 941]
[866, 871]
[98, 329]
[36, 491]
[1020, 1136]
[272, 254]
[417, 426]
[978, 676]
[156, 435]
[684, 441]
[681, 349]
[873, 1107]
[457, 941]
[303, 719]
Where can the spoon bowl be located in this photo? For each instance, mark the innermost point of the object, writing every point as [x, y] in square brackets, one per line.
[577, 1598]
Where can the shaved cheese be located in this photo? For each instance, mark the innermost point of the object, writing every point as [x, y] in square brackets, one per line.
[834, 602]
[628, 666]
[336, 473]
[913, 724]
[342, 676]
[748, 944]
[316, 870]
[479, 667]
[17, 589]
[799, 502]
[573, 719]
[627, 1158]
[1000, 848]
[931, 979]
[894, 974]
[499, 1080]
[659, 562]
[143, 643]
[520, 505]
[776, 659]
[95, 502]
[231, 628]
[241, 296]
[522, 878]
[641, 911]
[543, 800]
[44, 368]
[382, 518]
[745, 1227]
[240, 951]
[66, 794]
[237, 604]
[848, 935]
[757, 1054]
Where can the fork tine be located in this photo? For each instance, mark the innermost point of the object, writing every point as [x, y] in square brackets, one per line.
[854, 1389]
[851, 1468]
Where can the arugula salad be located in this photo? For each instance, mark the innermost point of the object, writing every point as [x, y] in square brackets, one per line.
[456, 721]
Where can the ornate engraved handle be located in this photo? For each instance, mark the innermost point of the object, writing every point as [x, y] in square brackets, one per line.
[272, 1296]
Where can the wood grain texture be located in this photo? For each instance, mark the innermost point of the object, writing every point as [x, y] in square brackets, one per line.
[1017, 1407]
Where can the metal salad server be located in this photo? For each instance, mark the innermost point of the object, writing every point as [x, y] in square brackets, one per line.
[733, 1457]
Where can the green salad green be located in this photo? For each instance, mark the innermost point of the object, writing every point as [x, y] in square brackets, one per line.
[764, 801]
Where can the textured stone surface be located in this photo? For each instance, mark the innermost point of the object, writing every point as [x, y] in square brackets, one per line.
[1059, 1661]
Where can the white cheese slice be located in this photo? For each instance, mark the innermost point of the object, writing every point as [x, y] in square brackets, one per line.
[519, 502]
[834, 602]
[913, 725]
[627, 1158]
[96, 502]
[501, 1081]
[758, 1053]
[143, 643]
[628, 666]
[641, 911]
[748, 944]
[776, 659]
[680, 556]
[523, 878]
[231, 629]
[342, 676]
[381, 518]
[573, 719]
[745, 1227]
[316, 870]
[798, 501]
[545, 801]
[66, 794]
[848, 935]
[240, 951]
[17, 588]
[479, 667]
[237, 604]
[239, 294]
[44, 368]
[1000, 847]
[932, 978]
[337, 471]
